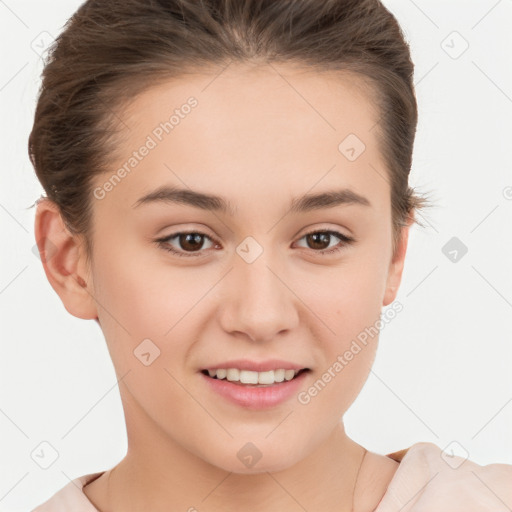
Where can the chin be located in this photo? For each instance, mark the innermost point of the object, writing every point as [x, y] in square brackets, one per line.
[251, 460]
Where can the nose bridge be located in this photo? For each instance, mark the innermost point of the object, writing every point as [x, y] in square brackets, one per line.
[257, 301]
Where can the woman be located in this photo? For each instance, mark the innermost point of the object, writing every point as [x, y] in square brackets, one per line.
[227, 196]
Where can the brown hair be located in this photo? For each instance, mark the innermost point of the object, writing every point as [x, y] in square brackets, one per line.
[112, 50]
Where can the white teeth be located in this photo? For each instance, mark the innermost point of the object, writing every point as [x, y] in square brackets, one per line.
[289, 374]
[233, 374]
[265, 377]
[251, 377]
[248, 377]
[279, 375]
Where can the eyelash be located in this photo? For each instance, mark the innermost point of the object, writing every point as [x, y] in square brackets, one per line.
[163, 242]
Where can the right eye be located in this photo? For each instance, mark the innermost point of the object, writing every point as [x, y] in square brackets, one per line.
[190, 241]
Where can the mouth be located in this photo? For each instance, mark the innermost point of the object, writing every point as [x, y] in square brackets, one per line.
[256, 390]
[255, 379]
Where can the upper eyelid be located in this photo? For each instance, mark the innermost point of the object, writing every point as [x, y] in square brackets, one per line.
[213, 239]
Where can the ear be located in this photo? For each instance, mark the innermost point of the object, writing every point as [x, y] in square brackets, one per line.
[64, 262]
[396, 266]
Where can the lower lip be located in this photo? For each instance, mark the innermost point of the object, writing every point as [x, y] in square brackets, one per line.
[256, 398]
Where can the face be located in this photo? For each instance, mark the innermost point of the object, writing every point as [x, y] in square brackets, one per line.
[182, 284]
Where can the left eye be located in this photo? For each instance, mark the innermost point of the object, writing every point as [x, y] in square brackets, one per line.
[325, 237]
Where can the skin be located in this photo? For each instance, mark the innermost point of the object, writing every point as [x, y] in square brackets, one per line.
[254, 140]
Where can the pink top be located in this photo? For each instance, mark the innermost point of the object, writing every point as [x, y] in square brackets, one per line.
[427, 480]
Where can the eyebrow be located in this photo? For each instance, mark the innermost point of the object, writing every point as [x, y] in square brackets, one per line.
[168, 194]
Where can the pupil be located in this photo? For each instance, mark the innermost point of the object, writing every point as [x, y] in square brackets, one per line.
[322, 238]
[190, 239]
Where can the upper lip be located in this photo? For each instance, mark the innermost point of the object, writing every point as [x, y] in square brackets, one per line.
[257, 366]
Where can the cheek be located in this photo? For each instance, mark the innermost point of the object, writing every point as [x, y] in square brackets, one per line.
[146, 314]
[346, 299]
[144, 293]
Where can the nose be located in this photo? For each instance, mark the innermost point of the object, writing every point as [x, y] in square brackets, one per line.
[257, 300]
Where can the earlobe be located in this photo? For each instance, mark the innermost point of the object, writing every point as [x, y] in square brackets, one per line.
[396, 267]
[63, 261]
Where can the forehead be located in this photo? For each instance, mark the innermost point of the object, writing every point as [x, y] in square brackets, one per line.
[248, 127]
[261, 99]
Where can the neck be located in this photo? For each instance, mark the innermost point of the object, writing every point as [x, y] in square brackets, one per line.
[160, 474]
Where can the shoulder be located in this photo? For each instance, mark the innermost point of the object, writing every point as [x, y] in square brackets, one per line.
[374, 476]
[430, 479]
[70, 497]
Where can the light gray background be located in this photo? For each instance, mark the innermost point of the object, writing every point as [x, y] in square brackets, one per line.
[442, 373]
